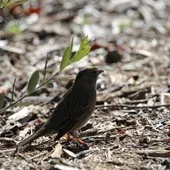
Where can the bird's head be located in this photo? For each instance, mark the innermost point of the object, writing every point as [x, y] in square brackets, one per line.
[87, 77]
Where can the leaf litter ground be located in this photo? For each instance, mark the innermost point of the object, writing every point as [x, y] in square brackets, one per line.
[127, 129]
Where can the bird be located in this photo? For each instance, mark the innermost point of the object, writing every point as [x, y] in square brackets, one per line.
[73, 110]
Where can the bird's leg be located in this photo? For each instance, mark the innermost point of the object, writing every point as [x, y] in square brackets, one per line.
[77, 139]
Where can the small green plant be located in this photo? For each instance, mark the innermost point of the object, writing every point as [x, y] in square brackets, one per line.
[10, 3]
[13, 27]
[70, 57]
[34, 83]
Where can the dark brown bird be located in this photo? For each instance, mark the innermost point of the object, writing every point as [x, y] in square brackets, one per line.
[74, 109]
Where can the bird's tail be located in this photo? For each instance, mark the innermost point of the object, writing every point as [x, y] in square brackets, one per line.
[32, 137]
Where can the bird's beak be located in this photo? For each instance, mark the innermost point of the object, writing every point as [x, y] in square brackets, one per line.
[100, 71]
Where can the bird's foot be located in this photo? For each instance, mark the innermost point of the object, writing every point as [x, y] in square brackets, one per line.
[80, 141]
[74, 138]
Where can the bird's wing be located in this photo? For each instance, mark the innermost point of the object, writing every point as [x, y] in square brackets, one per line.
[60, 112]
[77, 106]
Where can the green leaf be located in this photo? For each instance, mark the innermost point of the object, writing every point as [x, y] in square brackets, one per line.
[66, 57]
[2, 100]
[33, 82]
[65, 60]
[84, 49]
[84, 42]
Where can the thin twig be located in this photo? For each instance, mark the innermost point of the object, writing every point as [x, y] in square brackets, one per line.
[136, 101]
[154, 71]
[7, 150]
[12, 104]
[45, 67]
[153, 127]
[155, 153]
[38, 155]
[7, 139]
[160, 140]
[13, 90]
[132, 107]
